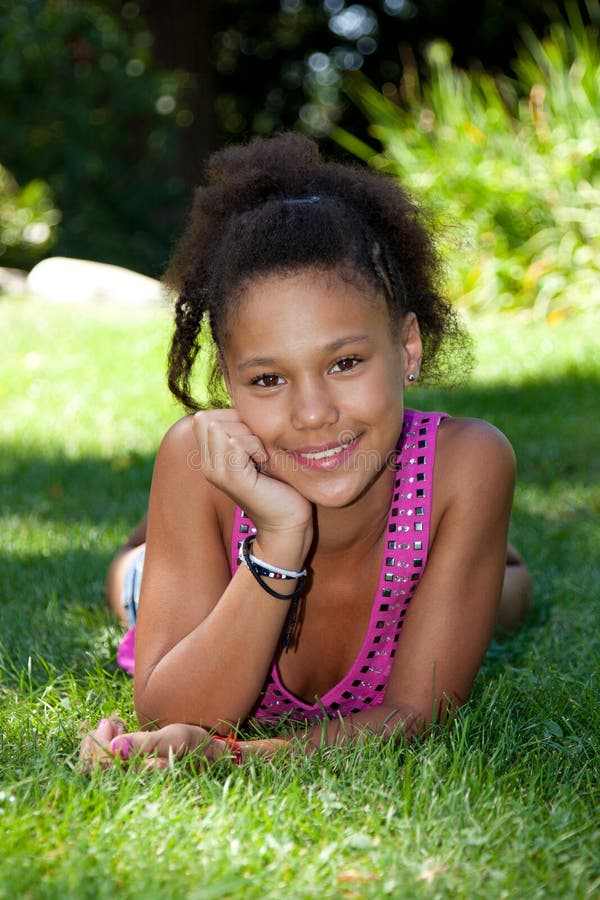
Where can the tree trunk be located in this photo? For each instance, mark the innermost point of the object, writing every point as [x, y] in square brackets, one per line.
[182, 32]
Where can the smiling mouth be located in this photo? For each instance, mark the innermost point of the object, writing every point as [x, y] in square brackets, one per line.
[326, 454]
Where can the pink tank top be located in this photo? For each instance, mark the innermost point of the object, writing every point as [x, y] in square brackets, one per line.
[403, 562]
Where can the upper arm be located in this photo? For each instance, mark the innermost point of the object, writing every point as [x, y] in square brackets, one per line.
[453, 611]
[186, 568]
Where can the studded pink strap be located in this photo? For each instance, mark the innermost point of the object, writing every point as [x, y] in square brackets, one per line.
[404, 559]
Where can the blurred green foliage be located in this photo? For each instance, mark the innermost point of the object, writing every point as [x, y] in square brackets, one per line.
[83, 109]
[281, 63]
[514, 163]
[27, 221]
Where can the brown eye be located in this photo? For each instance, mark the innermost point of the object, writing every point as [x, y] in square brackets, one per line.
[267, 380]
[346, 364]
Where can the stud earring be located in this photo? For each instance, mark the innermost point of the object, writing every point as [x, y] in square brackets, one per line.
[411, 377]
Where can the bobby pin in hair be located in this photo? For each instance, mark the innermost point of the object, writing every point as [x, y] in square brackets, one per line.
[289, 200]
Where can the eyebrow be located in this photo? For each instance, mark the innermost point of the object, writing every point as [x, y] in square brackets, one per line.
[265, 361]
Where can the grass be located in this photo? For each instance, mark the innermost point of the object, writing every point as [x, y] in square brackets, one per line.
[504, 805]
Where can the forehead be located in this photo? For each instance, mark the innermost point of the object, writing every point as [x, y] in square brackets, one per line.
[310, 299]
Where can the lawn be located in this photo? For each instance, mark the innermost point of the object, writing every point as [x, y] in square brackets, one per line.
[503, 805]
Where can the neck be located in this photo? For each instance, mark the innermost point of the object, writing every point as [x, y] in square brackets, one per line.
[359, 525]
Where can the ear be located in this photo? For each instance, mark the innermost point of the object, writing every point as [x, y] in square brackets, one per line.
[412, 348]
[225, 373]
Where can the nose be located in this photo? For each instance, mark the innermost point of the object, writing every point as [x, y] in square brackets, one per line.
[313, 405]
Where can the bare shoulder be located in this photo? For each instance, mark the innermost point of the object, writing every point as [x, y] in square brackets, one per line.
[179, 476]
[179, 437]
[473, 456]
[180, 455]
[468, 442]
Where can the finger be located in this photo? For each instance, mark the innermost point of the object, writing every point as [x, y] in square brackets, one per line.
[221, 440]
[207, 425]
[95, 745]
[266, 747]
[140, 744]
[156, 763]
[211, 425]
[223, 453]
[109, 728]
[143, 743]
[172, 740]
[244, 448]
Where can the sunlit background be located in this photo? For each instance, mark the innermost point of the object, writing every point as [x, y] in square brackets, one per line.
[109, 109]
[490, 112]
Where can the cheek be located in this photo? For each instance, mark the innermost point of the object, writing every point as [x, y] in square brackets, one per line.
[387, 411]
[261, 418]
[384, 392]
[389, 414]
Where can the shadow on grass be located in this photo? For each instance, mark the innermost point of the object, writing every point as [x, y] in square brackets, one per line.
[64, 518]
[64, 489]
[552, 423]
[53, 614]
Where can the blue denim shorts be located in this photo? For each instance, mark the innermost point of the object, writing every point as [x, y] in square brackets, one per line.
[132, 582]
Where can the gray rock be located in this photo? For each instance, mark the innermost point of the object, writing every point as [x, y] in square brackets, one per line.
[80, 281]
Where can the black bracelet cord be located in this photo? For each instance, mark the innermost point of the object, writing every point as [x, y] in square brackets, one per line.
[292, 598]
[258, 574]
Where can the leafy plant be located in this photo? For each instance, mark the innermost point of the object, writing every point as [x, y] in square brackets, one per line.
[27, 220]
[514, 162]
[83, 108]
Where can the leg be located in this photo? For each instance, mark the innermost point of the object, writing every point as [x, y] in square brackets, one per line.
[118, 567]
[517, 592]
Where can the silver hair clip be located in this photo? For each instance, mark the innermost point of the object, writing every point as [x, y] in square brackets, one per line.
[289, 200]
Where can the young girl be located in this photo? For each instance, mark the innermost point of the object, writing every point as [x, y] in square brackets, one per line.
[316, 551]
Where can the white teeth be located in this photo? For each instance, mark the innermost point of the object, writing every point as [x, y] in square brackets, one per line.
[323, 454]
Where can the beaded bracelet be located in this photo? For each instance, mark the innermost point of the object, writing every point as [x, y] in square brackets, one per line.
[267, 570]
[232, 744]
[262, 570]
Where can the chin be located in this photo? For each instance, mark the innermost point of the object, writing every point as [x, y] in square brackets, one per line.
[338, 496]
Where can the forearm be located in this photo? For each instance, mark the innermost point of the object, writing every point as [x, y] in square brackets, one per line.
[387, 720]
[216, 671]
[205, 641]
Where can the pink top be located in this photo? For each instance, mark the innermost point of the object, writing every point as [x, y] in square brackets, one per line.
[402, 565]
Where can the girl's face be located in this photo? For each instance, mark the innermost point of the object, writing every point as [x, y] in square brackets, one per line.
[316, 371]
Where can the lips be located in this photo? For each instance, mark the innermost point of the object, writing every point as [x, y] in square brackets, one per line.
[325, 457]
[323, 454]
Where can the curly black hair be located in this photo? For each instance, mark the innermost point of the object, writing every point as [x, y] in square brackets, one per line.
[274, 206]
